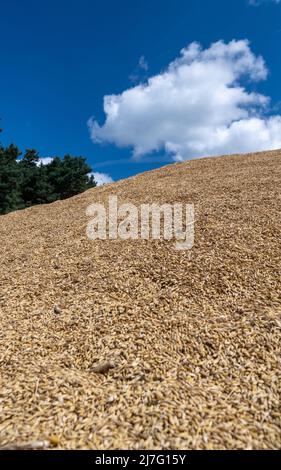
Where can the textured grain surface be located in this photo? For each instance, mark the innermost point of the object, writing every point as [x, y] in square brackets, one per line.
[193, 338]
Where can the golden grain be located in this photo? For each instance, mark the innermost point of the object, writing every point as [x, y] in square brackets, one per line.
[194, 336]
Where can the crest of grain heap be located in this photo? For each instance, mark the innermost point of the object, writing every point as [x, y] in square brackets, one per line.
[133, 344]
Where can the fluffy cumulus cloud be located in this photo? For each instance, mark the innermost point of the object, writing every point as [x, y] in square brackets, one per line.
[200, 105]
[102, 178]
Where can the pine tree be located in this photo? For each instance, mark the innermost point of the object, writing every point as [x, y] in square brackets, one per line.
[26, 182]
[10, 197]
[69, 176]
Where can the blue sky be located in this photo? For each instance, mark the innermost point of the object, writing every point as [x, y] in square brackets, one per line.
[60, 58]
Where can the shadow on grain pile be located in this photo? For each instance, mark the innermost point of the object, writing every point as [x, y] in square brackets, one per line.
[133, 344]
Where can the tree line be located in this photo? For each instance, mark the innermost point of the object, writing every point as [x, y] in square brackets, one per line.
[25, 181]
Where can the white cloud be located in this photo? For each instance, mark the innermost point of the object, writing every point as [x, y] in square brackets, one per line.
[197, 106]
[45, 161]
[257, 3]
[138, 73]
[143, 64]
[102, 178]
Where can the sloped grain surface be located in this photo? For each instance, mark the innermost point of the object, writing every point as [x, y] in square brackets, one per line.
[192, 338]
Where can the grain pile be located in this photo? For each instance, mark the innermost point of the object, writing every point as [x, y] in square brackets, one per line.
[133, 344]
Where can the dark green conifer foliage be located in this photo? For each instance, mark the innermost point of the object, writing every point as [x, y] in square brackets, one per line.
[27, 181]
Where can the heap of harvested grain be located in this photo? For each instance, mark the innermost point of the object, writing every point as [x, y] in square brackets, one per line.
[132, 344]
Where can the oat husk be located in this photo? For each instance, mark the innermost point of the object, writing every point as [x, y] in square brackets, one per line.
[194, 335]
